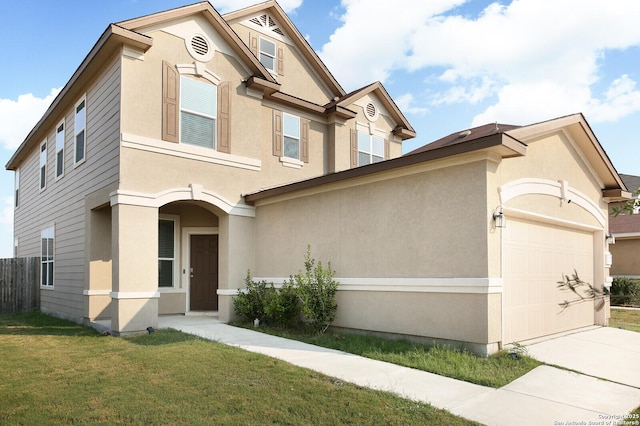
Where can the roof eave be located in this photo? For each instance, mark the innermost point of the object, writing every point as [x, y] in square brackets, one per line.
[110, 40]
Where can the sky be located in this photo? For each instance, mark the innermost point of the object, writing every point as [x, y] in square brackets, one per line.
[449, 64]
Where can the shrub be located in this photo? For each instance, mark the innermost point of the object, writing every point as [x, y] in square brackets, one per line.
[625, 291]
[250, 304]
[317, 290]
[283, 305]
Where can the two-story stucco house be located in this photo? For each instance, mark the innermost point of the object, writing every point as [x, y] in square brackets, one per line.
[189, 147]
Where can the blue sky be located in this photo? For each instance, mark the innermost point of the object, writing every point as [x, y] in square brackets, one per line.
[449, 64]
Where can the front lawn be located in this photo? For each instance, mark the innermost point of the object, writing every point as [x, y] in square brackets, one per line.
[628, 319]
[495, 371]
[56, 372]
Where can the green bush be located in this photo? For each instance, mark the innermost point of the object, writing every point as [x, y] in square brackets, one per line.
[283, 306]
[317, 290]
[250, 304]
[625, 291]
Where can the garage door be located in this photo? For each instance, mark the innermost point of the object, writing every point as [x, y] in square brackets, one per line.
[536, 256]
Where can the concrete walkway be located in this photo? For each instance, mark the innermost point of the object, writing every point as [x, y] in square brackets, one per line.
[541, 397]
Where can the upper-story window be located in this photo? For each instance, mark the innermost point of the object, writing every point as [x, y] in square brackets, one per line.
[291, 136]
[60, 150]
[198, 108]
[43, 165]
[16, 188]
[268, 54]
[370, 148]
[80, 131]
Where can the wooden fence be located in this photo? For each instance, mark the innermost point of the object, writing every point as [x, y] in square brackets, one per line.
[19, 284]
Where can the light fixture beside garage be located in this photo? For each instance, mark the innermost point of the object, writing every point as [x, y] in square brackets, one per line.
[499, 219]
[610, 239]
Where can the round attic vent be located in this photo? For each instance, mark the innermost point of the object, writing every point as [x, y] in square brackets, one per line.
[371, 111]
[200, 45]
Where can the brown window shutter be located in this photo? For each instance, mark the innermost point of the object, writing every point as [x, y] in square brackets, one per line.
[224, 117]
[354, 148]
[277, 133]
[304, 139]
[170, 93]
[280, 60]
[253, 44]
[387, 149]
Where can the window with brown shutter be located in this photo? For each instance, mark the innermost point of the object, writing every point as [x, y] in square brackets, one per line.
[387, 149]
[253, 44]
[354, 148]
[304, 139]
[170, 91]
[224, 117]
[280, 60]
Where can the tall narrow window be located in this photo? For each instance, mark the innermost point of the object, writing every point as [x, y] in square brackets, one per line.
[198, 108]
[80, 131]
[16, 188]
[291, 135]
[370, 148]
[46, 259]
[43, 165]
[268, 54]
[60, 150]
[166, 252]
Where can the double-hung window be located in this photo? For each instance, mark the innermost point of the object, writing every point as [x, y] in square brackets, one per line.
[46, 259]
[198, 113]
[291, 136]
[370, 148]
[166, 252]
[80, 132]
[60, 150]
[43, 165]
[268, 54]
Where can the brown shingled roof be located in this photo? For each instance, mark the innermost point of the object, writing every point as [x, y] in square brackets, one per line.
[631, 182]
[625, 223]
[465, 136]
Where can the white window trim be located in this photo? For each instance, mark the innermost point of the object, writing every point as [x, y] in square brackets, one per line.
[16, 189]
[176, 251]
[288, 160]
[372, 131]
[291, 162]
[60, 148]
[48, 233]
[76, 131]
[187, 232]
[275, 55]
[214, 118]
[43, 163]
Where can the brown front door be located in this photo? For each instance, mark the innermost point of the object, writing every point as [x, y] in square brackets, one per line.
[204, 273]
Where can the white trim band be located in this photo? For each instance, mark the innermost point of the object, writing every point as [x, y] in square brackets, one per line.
[96, 292]
[135, 294]
[412, 285]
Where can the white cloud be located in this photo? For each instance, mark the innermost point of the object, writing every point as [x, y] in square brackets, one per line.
[6, 227]
[407, 105]
[526, 60]
[224, 6]
[17, 117]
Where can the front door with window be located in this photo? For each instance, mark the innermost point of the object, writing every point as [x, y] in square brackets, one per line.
[204, 273]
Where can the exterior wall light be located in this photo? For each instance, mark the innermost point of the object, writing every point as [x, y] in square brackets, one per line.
[499, 219]
[610, 239]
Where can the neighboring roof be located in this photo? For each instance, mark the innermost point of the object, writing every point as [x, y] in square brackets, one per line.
[110, 40]
[500, 143]
[273, 8]
[631, 182]
[624, 224]
[465, 137]
[404, 130]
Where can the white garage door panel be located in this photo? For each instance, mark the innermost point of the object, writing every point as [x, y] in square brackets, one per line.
[536, 256]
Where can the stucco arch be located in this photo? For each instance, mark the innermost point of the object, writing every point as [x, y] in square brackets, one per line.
[557, 189]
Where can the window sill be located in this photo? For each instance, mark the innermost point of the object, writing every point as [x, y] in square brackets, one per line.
[47, 287]
[291, 162]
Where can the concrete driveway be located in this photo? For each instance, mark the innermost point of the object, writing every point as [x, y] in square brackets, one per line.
[607, 353]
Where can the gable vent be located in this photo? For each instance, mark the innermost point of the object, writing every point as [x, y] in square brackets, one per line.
[370, 110]
[266, 21]
[200, 45]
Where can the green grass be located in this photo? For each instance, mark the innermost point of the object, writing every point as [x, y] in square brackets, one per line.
[495, 371]
[625, 318]
[56, 372]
